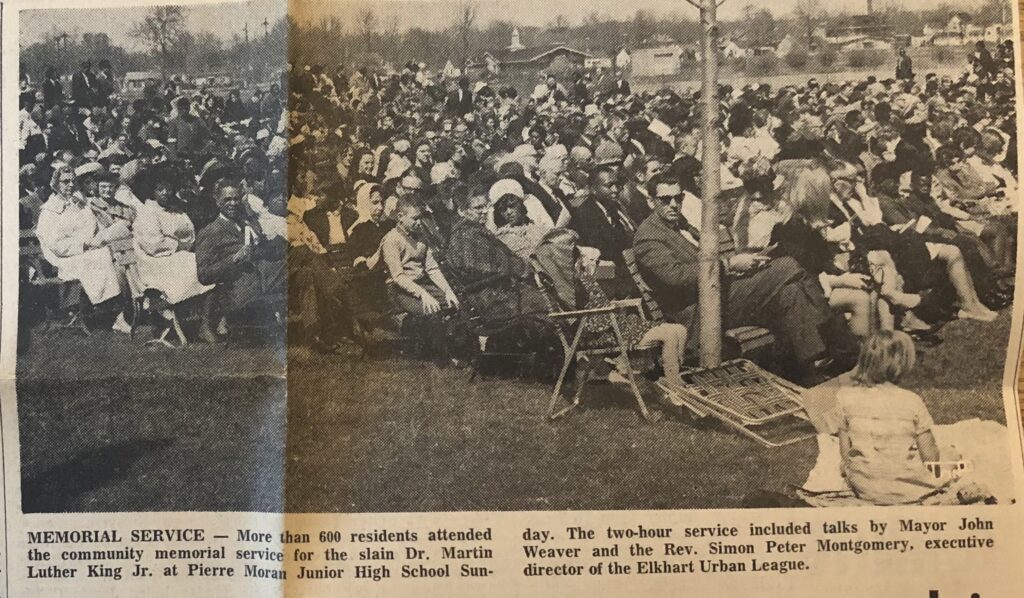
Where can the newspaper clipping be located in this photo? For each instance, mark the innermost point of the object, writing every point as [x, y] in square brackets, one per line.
[510, 298]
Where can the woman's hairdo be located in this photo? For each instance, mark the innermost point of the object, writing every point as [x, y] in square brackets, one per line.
[55, 179]
[505, 202]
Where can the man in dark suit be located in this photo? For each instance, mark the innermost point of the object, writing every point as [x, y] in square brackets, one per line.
[601, 224]
[460, 102]
[231, 252]
[53, 91]
[621, 88]
[635, 201]
[83, 86]
[774, 293]
[330, 222]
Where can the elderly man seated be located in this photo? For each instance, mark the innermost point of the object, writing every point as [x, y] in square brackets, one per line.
[233, 253]
[756, 290]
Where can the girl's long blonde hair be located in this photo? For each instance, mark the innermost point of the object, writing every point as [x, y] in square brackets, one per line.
[885, 356]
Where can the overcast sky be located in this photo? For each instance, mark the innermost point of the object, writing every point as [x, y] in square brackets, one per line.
[226, 20]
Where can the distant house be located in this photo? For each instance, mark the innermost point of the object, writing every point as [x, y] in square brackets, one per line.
[958, 21]
[730, 49]
[520, 59]
[662, 57]
[959, 30]
[857, 27]
[598, 63]
[865, 43]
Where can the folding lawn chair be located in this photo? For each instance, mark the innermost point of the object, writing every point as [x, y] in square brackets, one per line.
[738, 393]
[750, 400]
[585, 352]
[746, 339]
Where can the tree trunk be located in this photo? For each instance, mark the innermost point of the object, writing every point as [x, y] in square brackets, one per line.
[709, 284]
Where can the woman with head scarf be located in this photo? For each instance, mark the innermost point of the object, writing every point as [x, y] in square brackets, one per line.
[369, 276]
[367, 231]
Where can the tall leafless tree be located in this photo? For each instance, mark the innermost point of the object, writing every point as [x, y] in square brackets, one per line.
[161, 29]
[367, 20]
[467, 21]
[806, 13]
[708, 275]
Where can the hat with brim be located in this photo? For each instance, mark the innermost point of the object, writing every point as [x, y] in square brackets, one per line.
[87, 169]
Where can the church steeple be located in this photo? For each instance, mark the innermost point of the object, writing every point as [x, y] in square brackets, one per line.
[516, 44]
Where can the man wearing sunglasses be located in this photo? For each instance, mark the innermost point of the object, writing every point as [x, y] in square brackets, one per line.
[774, 293]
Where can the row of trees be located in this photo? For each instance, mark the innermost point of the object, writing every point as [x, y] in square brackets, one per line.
[169, 48]
[371, 36]
[374, 38]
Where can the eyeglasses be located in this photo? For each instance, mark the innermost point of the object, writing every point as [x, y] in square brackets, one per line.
[669, 199]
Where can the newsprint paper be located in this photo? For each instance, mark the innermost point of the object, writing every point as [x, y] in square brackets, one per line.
[511, 298]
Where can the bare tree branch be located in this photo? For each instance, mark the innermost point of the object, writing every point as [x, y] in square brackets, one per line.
[467, 20]
[161, 29]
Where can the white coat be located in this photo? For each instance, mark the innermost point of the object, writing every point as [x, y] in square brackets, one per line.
[68, 234]
[163, 249]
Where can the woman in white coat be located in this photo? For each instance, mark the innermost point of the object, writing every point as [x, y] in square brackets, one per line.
[72, 240]
[164, 237]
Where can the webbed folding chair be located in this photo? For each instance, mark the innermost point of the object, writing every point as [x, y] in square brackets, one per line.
[738, 393]
[746, 339]
[584, 350]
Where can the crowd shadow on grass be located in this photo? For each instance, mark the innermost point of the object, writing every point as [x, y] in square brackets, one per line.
[56, 489]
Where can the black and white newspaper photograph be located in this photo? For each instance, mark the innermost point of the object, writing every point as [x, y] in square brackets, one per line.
[506, 297]
[153, 258]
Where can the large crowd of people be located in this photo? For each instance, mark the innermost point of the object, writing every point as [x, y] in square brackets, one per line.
[456, 215]
[849, 207]
[163, 204]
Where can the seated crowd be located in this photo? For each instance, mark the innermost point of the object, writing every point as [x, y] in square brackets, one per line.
[460, 215]
[163, 207]
[471, 211]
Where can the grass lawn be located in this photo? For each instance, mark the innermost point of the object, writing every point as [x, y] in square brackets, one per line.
[108, 425]
[396, 435]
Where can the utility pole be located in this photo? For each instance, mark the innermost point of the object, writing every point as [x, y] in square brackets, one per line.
[709, 298]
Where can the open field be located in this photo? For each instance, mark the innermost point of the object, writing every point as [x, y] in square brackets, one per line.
[127, 431]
